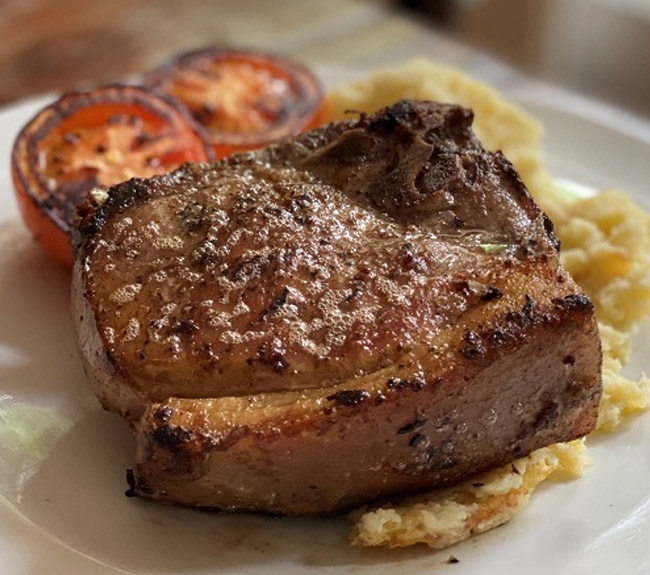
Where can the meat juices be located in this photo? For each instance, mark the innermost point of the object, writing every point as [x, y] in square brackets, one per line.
[372, 308]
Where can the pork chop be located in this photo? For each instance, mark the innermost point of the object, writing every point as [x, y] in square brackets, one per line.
[373, 307]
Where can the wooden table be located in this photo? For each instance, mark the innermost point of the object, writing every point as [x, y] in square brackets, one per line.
[75, 44]
[58, 45]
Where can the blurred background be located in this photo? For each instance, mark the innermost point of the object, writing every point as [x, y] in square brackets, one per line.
[597, 47]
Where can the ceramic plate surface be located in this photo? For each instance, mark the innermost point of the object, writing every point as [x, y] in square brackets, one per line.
[63, 460]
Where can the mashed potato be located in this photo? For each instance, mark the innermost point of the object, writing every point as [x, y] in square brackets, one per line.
[605, 243]
[447, 516]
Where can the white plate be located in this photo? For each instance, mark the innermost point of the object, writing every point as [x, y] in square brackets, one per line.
[62, 470]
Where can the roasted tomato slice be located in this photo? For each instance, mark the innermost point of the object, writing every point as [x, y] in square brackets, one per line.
[96, 139]
[244, 100]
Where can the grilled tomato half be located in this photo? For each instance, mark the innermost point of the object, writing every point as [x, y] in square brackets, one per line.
[96, 139]
[243, 100]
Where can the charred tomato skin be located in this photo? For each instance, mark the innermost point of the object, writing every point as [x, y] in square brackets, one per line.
[243, 99]
[95, 139]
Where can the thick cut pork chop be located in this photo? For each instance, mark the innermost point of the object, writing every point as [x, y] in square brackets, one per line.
[373, 307]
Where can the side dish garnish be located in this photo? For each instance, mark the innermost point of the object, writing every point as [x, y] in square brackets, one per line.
[243, 99]
[95, 139]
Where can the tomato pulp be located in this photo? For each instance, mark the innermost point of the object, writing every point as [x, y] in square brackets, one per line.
[95, 139]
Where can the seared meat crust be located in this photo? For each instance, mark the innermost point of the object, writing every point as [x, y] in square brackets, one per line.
[380, 295]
